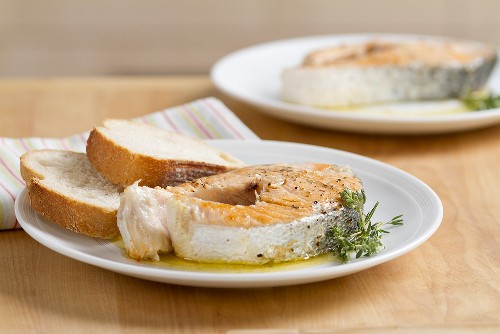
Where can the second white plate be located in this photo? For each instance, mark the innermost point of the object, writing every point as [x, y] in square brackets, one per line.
[397, 191]
[253, 75]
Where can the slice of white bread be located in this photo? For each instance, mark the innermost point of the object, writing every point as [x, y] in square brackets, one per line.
[66, 189]
[126, 151]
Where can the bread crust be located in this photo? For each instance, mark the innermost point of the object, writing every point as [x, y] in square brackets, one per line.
[123, 167]
[82, 218]
[67, 212]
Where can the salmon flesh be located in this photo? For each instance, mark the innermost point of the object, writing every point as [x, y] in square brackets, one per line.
[252, 215]
[380, 71]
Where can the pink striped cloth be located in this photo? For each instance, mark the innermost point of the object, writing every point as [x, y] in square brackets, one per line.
[206, 118]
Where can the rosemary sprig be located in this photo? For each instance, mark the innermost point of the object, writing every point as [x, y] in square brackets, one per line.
[366, 239]
[481, 100]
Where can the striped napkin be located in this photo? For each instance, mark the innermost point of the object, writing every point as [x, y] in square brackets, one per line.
[207, 118]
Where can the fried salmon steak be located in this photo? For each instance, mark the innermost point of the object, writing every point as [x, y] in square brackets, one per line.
[252, 215]
[382, 72]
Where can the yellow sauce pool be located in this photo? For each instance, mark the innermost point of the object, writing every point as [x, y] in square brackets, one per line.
[421, 108]
[171, 261]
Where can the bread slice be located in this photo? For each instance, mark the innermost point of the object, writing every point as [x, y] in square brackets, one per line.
[126, 151]
[66, 189]
[387, 71]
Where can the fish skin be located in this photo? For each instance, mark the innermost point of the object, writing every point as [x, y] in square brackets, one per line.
[259, 214]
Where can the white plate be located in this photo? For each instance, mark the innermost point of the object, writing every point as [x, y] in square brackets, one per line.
[397, 192]
[253, 75]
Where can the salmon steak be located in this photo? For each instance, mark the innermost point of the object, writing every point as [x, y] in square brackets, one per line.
[252, 215]
[380, 71]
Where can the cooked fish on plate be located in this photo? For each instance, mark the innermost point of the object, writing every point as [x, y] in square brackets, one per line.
[340, 82]
[398, 192]
[379, 71]
[253, 215]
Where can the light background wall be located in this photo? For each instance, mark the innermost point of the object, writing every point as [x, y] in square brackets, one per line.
[153, 37]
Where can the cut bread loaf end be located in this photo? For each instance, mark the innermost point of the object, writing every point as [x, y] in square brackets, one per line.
[66, 189]
[126, 151]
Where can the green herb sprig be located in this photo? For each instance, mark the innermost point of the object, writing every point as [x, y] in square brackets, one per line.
[366, 239]
[481, 100]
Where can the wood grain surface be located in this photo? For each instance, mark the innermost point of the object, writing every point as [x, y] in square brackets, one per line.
[450, 284]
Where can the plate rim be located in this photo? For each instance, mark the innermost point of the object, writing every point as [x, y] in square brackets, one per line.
[244, 280]
[273, 106]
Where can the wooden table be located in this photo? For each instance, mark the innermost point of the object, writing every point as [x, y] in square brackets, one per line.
[450, 284]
